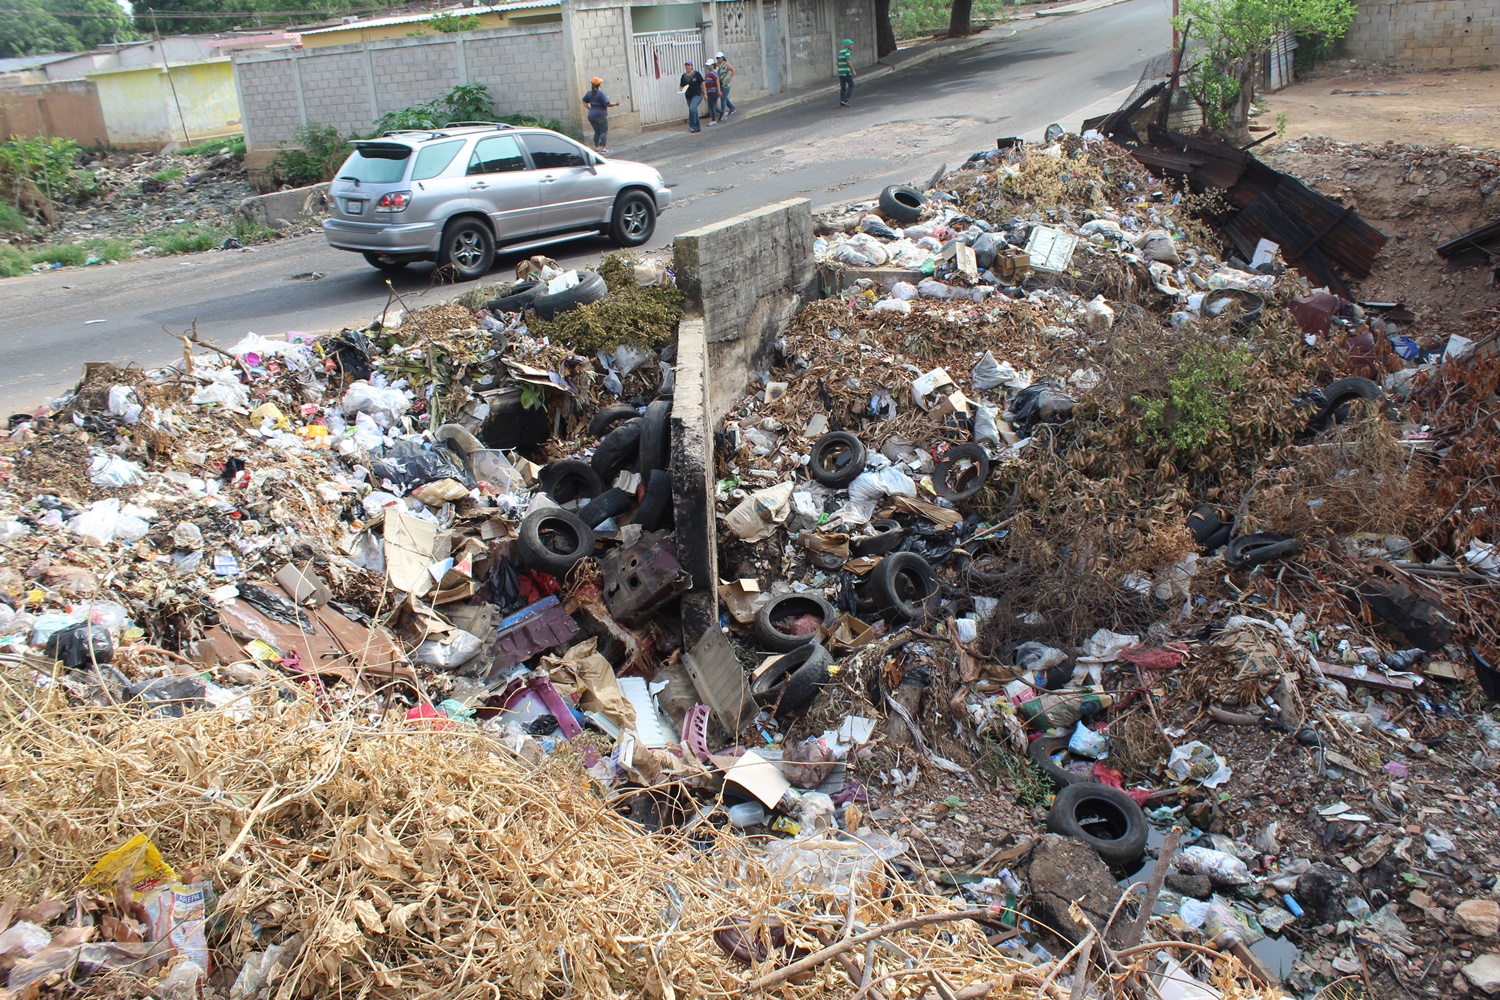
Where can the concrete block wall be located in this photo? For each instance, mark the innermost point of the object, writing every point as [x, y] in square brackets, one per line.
[746, 277]
[349, 86]
[601, 47]
[1427, 34]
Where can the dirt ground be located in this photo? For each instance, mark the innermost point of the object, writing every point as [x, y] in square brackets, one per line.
[1357, 102]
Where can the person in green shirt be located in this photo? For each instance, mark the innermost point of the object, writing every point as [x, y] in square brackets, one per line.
[846, 73]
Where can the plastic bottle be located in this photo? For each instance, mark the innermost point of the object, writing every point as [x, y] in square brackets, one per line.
[745, 814]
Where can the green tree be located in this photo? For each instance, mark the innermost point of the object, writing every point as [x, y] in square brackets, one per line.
[95, 22]
[1233, 35]
[34, 32]
[169, 25]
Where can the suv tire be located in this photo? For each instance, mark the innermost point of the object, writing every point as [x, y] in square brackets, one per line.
[467, 251]
[633, 220]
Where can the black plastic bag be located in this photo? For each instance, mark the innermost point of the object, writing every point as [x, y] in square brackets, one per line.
[350, 351]
[1041, 402]
[409, 464]
[82, 643]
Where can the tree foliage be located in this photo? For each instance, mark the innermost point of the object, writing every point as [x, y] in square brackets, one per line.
[34, 31]
[93, 22]
[1234, 33]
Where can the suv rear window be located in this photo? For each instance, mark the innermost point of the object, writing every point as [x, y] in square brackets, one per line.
[376, 164]
[433, 160]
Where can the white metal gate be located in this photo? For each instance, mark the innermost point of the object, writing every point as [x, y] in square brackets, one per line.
[659, 56]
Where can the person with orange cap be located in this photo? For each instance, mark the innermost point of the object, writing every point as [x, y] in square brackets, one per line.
[598, 103]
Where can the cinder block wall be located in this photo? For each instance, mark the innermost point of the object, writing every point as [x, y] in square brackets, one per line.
[1427, 34]
[747, 277]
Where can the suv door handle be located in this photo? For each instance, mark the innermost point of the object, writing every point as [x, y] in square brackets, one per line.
[549, 179]
[478, 186]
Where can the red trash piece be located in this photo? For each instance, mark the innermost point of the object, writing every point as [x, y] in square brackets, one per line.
[1109, 776]
[425, 712]
[1152, 659]
[1314, 312]
[1139, 794]
[803, 625]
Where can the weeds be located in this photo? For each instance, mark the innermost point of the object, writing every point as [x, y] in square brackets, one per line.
[168, 175]
[1200, 389]
[320, 151]
[1030, 786]
[37, 173]
[12, 222]
[231, 145]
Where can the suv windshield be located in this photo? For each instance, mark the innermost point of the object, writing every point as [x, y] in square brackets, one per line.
[376, 164]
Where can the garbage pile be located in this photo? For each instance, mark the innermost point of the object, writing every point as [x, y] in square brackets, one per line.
[352, 665]
[1107, 530]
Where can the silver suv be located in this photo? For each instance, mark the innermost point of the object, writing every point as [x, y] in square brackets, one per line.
[454, 194]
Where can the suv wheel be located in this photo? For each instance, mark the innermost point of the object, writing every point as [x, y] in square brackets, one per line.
[468, 250]
[634, 219]
[383, 263]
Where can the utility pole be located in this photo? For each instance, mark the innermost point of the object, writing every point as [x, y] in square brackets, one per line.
[167, 68]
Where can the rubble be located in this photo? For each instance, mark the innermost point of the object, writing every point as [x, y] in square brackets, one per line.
[1094, 608]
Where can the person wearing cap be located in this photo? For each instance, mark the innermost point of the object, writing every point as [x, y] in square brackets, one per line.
[726, 77]
[598, 103]
[691, 86]
[846, 73]
[711, 91]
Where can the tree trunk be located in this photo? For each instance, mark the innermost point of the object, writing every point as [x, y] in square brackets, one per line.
[885, 35]
[958, 23]
[1249, 70]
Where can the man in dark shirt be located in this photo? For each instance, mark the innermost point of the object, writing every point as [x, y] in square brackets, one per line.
[692, 86]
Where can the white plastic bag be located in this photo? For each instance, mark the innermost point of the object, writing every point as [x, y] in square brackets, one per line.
[899, 306]
[223, 389]
[934, 289]
[112, 470]
[872, 487]
[123, 403]
[384, 405]
[1198, 762]
[460, 648]
[1225, 869]
[904, 290]
[1087, 743]
[104, 523]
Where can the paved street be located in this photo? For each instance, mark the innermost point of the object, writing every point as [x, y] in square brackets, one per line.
[902, 126]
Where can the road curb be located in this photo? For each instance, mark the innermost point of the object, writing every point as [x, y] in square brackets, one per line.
[1084, 9]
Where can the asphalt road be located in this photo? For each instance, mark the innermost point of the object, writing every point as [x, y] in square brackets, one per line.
[902, 127]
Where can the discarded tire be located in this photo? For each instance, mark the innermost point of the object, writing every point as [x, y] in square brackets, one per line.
[1104, 818]
[618, 450]
[794, 677]
[610, 503]
[837, 459]
[590, 288]
[888, 536]
[1257, 548]
[1248, 304]
[656, 502]
[1041, 750]
[901, 204]
[656, 437]
[553, 541]
[606, 419]
[903, 587]
[1336, 399]
[779, 609]
[570, 479]
[962, 472]
[986, 565]
[517, 297]
[1211, 527]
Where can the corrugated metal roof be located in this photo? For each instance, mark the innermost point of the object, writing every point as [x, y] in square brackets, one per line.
[381, 22]
[18, 63]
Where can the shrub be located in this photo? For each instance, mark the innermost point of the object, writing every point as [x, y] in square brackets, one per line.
[448, 23]
[1197, 407]
[321, 151]
[12, 222]
[36, 172]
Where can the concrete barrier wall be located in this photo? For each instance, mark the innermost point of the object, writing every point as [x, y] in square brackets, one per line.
[746, 277]
[1427, 34]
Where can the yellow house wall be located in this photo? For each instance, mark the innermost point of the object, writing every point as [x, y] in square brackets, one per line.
[354, 34]
[139, 109]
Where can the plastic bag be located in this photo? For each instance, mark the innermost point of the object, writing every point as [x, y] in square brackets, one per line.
[562, 282]
[839, 862]
[872, 487]
[385, 406]
[1198, 762]
[876, 227]
[1157, 245]
[899, 306]
[1040, 402]
[904, 290]
[1099, 315]
[411, 463]
[986, 426]
[870, 247]
[112, 470]
[123, 403]
[80, 643]
[1225, 869]
[460, 648]
[104, 523]
[224, 389]
[934, 289]
[1087, 743]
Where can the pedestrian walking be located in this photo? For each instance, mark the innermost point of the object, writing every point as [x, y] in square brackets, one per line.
[711, 92]
[846, 73]
[598, 103]
[726, 78]
[692, 88]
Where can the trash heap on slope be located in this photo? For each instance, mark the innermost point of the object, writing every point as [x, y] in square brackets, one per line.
[1070, 498]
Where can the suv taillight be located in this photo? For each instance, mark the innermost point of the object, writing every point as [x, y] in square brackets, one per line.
[396, 201]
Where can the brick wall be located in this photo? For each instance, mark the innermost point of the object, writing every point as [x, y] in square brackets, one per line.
[600, 49]
[746, 276]
[68, 109]
[1427, 34]
[349, 86]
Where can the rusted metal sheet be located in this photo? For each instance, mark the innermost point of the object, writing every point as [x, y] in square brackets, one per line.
[642, 577]
[529, 631]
